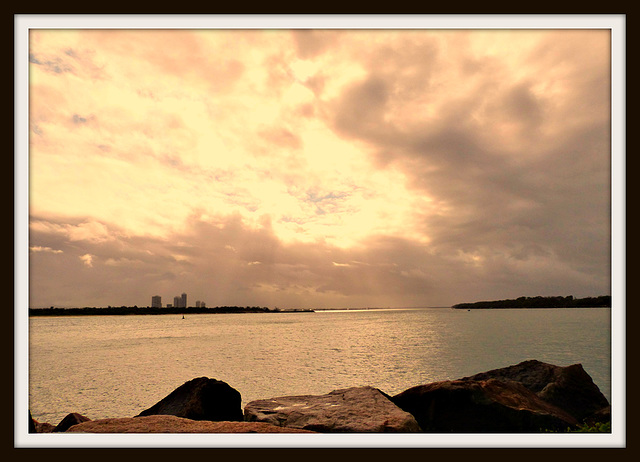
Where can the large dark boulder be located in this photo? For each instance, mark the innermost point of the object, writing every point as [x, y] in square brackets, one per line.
[481, 406]
[200, 399]
[357, 409]
[69, 421]
[569, 388]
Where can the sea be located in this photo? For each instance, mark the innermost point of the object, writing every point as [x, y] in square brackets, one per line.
[118, 366]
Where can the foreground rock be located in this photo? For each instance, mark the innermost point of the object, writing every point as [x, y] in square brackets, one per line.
[481, 406]
[358, 409]
[69, 421]
[529, 397]
[601, 416]
[39, 427]
[44, 427]
[173, 424]
[200, 399]
[569, 388]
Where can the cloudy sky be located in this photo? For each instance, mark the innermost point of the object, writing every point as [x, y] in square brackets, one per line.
[318, 168]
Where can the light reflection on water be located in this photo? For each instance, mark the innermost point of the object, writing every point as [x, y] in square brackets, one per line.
[117, 366]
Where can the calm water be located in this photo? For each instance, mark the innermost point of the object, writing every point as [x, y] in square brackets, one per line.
[104, 366]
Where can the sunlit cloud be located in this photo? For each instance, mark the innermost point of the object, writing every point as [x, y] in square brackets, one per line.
[37, 248]
[87, 259]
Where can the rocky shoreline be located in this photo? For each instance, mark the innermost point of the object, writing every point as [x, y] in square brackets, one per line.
[529, 397]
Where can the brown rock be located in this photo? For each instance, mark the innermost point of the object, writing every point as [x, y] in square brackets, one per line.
[482, 406]
[601, 416]
[358, 409]
[70, 420]
[44, 427]
[173, 424]
[570, 388]
[200, 399]
[39, 427]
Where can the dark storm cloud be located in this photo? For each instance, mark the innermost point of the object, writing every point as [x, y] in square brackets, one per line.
[522, 105]
[359, 111]
[514, 173]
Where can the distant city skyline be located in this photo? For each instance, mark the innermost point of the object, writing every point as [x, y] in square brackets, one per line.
[178, 302]
[156, 302]
[319, 168]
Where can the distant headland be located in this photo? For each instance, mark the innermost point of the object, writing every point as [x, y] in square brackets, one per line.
[603, 301]
[134, 310]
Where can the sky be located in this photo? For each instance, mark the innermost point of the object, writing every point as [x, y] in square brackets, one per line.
[318, 168]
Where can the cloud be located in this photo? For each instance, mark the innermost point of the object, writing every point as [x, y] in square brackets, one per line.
[282, 137]
[495, 156]
[86, 230]
[226, 261]
[87, 259]
[56, 65]
[319, 168]
[311, 43]
[37, 248]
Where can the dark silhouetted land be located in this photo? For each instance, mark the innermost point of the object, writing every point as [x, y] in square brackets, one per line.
[134, 310]
[603, 301]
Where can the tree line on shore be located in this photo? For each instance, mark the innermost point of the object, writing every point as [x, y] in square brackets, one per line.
[125, 310]
[541, 302]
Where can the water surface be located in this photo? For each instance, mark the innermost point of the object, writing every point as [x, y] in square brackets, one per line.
[117, 366]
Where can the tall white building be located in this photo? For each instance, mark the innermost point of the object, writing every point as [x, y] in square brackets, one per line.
[183, 300]
[156, 301]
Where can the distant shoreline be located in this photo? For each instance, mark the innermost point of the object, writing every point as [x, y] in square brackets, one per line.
[603, 301]
[134, 310]
[519, 303]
